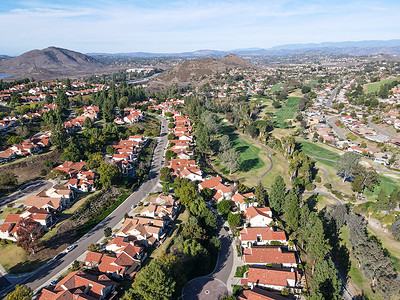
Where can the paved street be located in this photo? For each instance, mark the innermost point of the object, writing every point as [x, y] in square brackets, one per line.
[49, 271]
[24, 191]
[338, 131]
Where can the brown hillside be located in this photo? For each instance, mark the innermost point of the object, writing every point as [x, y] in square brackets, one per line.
[193, 71]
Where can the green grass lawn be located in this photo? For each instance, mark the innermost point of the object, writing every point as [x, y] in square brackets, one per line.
[287, 110]
[9, 210]
[315, 150]
[15, 260]
[281, 167]
[387, 183]
[276, 87]
[374, 86]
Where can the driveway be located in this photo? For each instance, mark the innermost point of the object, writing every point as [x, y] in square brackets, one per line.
[53, 268]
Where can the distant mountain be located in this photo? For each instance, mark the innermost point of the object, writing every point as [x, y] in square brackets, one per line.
[49, 63]
[369, 44]
[195, 70]
[372, 47]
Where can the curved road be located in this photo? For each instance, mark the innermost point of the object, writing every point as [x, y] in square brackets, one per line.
[50, 270]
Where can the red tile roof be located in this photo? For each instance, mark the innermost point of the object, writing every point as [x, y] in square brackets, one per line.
[270, 277]
[268, 255]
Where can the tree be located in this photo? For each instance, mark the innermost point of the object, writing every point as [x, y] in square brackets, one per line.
[59, 136]
[326, 283]
[107, 232]
[15, 139]
[383, 199]
[154, 282]
[108, 110]
[364, 178]
[260, 194]
[48, 99]
[165, 174]
[231, 158]
[347, 163]
[193, 249]
[62, 100]
[169, 154]
[94, 161]
[305, 89]
[171, 136]
[206, 194]
[224, 207]
[88, 123]
[8, 180]
[110, 150]
[277, 194]
[202, 138]
[21, 292]
[292, 209]
[109, 174]
[224, 144]
[234, 220]
[28, 233]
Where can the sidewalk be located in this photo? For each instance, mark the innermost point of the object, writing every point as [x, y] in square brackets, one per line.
[237, 262]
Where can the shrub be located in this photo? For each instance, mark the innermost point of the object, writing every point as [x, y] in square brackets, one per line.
[318, 178]
[43, 172]
[310, 186]
[328, 186]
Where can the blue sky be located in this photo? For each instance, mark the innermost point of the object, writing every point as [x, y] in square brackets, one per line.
[177, 26]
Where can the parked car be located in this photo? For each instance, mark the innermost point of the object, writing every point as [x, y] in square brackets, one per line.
[60, 255]
[70, 248]
[53, 282]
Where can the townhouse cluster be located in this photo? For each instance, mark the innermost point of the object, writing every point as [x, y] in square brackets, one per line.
[124, 254]
[41, 209]
[126, 153]
[91, 112]
[80, 180]
[32, 146]
[272, 261]
[130, 115]
[36, 91]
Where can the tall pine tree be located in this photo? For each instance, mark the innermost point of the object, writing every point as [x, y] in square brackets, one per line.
[277, 195]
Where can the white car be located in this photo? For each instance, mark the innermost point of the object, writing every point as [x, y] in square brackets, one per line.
[70, 248]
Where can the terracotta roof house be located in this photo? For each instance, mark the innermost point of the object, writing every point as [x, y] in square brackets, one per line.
[242, 200]
[258, 216]
[210, 183]
[119, 265]
[93, 259]
[261, 236]
[260, 294]
[268, 255]
[143, 229]
[80, 285]
[273, 279]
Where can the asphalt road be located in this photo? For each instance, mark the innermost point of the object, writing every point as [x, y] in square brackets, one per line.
[339, 133]
[25, 190]
[381, 131]
[48, 272]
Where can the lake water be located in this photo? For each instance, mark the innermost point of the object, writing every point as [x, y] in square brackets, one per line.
[4, 75]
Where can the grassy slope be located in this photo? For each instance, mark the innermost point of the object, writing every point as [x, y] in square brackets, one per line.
[314, 150]
[253, 162]
[276, 88]
[374, 87]
[287, 110]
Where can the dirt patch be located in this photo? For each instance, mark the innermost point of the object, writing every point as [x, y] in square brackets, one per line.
[29, 169]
